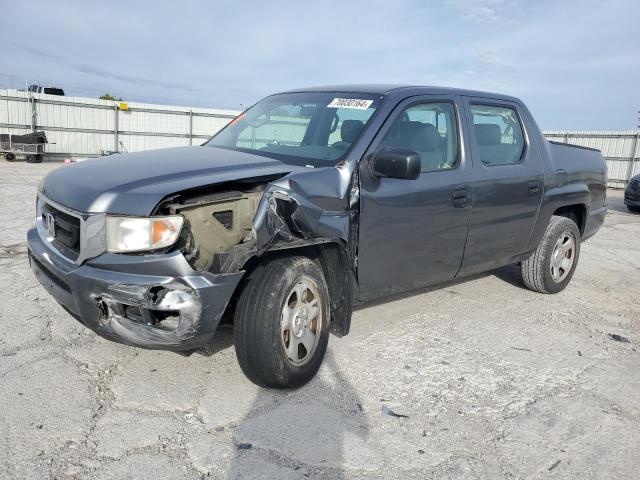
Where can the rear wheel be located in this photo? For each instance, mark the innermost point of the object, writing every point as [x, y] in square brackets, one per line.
[281, 326]
[9, 157]
[550, 268]
[633, 209]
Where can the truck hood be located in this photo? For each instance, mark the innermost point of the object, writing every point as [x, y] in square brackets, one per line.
[134, 183]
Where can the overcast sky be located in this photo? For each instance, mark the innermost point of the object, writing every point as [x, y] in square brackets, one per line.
[576, 64]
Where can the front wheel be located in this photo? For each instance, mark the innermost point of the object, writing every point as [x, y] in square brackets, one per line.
[633, 208]
[551, 266]
[281, 326]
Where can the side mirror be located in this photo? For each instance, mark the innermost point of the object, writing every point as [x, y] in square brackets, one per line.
[396, 163]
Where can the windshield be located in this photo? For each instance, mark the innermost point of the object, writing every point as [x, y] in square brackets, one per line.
[309, 128]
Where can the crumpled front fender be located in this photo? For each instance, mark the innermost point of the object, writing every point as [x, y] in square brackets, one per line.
[314, 204]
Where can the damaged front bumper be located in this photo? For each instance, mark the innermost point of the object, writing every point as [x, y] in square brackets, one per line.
[148, 301]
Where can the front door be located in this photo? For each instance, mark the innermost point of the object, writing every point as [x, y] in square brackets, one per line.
[412, 232]
[508, 184]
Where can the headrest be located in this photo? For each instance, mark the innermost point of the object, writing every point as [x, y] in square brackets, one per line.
[418, 136]
[488, 134]
[350, 130]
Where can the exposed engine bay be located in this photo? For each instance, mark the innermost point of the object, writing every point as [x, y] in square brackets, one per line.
[228, 225]
[215, 222]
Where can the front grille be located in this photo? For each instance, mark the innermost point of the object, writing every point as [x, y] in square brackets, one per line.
[64, 229]
[635, 184]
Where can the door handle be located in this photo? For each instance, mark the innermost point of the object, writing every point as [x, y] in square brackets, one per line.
[534, 187]
[459, 198]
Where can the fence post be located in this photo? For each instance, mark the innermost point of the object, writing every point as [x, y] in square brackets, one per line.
[34, 113]
[190, 127]
[115, 128]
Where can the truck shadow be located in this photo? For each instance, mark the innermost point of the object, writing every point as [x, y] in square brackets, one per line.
[615, 203]
[509, 274]
[223, 338]
[320, 430]
[308, 433]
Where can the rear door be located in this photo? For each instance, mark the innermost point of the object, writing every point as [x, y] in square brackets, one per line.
[508, 184]
[412, 232]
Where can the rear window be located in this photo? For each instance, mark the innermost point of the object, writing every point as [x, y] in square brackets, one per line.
[498, 134]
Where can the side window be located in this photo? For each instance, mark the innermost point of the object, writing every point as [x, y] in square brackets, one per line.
[498, 134]
[430, 130]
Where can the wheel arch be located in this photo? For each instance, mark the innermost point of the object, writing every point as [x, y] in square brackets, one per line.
[570, 199]
[333, 259]
[576, 212]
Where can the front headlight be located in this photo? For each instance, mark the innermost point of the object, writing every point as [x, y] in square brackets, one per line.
[134, 234]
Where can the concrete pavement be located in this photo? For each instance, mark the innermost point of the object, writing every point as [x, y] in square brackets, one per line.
[495, 382]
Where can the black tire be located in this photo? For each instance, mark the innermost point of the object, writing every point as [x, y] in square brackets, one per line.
[31, 159]
[258, 339]
[9, 157]
[537, 269]
[633, 209]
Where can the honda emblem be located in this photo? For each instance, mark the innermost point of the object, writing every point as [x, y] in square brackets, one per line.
[50, 225]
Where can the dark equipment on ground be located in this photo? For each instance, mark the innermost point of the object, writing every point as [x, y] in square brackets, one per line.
[29, 147]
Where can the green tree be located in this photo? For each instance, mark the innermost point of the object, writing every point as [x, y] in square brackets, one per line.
[108, 96]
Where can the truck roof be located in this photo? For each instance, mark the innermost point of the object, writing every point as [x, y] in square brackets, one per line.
[401, 90]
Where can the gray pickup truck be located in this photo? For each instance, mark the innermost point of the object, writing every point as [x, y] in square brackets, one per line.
[308, 202]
